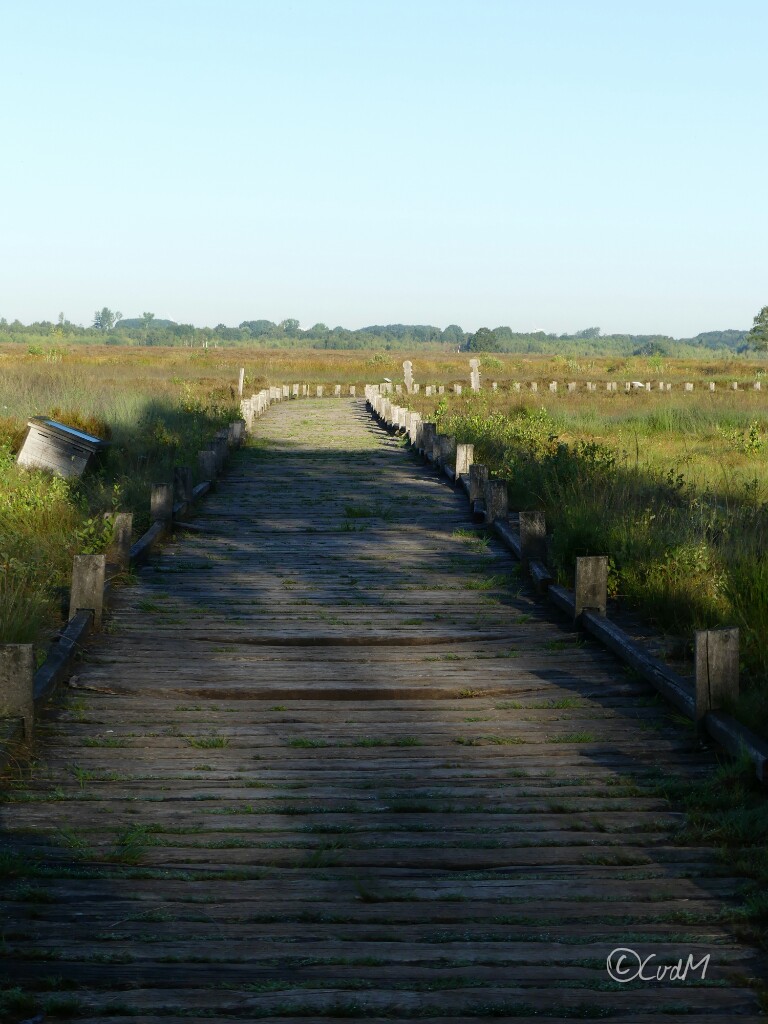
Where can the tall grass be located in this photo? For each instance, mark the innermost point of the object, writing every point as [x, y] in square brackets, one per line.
[154, 418]
[687, 541]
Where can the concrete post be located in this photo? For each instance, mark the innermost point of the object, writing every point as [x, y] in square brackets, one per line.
[478, 478]
[337, 391]
[711, 385]
[416, 388]
[687, 386]
[534, 386]
[533, 536]
[241, 381]
[572, 385]
[465, 456]
[17, 684]
[717, 669]
[319, 391]
[474, 374]
[161, 503]
[408, 375]
[182, 483]
[553, 386]
[87, 593]
[457, 389]
[591, 584]
[119, 552]
[494, 386]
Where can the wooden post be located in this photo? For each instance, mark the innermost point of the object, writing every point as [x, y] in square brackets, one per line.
[182, 483]
[465, 456]
[206, 461]
[221, 447]
[427, 434]
[119, 552]
[241, 381]
[717, 669]
[496, 501]
[17, 684]
[591, 584]
[161, 503]
[533, 536]
[447, 449]
[478, 478]
[87, 593]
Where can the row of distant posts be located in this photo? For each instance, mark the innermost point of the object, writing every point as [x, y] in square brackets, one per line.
[256, 404]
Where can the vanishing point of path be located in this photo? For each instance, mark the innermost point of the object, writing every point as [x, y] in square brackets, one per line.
[330, 761]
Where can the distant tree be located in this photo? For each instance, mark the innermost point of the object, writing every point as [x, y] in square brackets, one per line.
[758, 336]
[484, 340]
[453, 334]
[289, 327]
[103, 319]
[319, 330]
[588, 332]
[259, 328]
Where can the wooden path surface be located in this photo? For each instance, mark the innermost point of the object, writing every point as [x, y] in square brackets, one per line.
[331, 761]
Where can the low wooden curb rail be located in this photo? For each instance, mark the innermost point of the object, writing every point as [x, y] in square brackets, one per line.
[702, 698]
[23, 690]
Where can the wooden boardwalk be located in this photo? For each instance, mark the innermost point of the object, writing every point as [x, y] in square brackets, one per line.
[331, 761]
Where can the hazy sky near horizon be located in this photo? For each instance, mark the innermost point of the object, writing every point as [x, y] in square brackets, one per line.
[540, 163]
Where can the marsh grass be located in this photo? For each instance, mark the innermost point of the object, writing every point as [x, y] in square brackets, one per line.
[676, 495]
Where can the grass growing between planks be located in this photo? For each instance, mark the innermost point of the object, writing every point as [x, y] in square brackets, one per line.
[729, 810]
[674, 492]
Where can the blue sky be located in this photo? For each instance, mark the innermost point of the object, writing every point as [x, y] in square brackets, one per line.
[544, 164]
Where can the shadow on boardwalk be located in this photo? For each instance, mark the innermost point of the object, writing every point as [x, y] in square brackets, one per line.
[331, 760]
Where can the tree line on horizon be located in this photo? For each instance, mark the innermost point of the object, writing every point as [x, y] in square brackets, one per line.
[109, 327]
